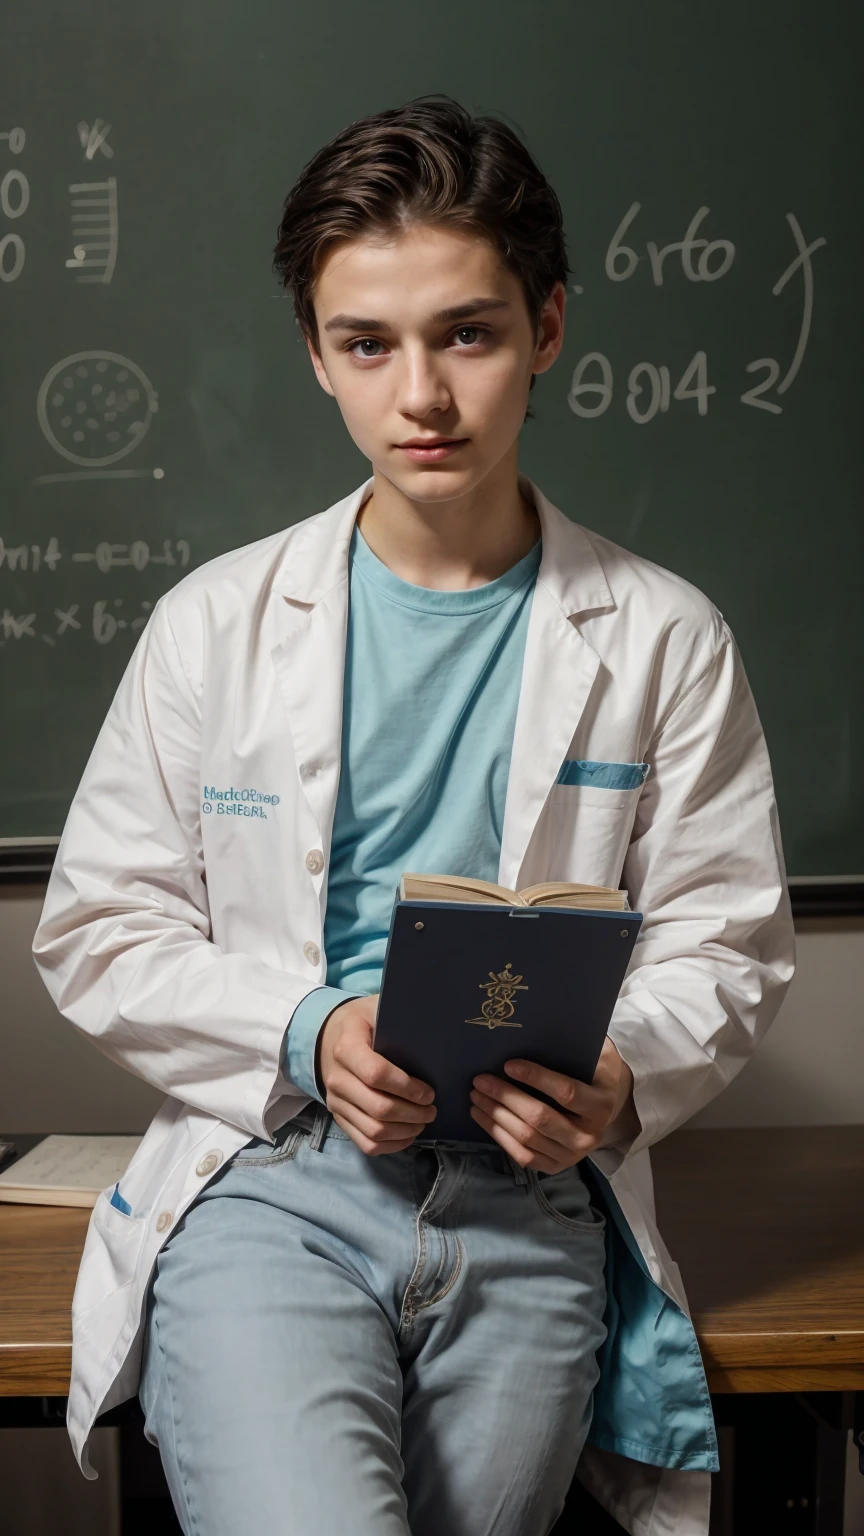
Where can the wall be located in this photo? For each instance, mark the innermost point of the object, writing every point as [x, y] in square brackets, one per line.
[808, 1071]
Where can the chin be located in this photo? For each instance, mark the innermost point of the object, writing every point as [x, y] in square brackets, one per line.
[430, 485]
[433, 482]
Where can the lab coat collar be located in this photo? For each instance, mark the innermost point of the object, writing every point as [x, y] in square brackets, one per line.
[317, 556]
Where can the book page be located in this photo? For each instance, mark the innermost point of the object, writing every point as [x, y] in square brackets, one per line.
[455, 888]
[562, 893]
[86, 1163]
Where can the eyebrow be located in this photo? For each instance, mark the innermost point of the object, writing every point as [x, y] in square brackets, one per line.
[456, 312]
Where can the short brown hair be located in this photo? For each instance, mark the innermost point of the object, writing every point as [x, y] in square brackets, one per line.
[428, 161]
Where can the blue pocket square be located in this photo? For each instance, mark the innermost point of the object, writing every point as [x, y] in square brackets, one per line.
[578, 771]
[119, 1203]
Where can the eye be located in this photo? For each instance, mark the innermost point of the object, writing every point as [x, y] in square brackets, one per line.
[476, 332]
[470, 336]
[364, 341]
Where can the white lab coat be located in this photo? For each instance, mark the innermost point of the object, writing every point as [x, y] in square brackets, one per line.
[181, 940]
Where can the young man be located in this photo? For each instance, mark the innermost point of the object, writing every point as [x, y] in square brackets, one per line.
[336, 1322]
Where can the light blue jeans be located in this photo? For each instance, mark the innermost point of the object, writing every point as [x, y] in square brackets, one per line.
[340, 1345]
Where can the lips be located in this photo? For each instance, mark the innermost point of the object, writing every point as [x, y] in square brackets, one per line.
[432, 452]
[431, 442]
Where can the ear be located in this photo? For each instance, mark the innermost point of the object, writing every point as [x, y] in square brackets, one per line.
[550, 330]
[320, 370]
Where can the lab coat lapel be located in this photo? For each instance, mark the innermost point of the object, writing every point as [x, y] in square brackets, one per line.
[558, 672]
[309, 664]
[309, 657]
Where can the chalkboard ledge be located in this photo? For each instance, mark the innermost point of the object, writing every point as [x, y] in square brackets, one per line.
[26, 858]
[28, 861]
[827, 897]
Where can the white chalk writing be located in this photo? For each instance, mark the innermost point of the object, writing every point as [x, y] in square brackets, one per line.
[101, 622]
[14, 202]
[106, 556]
[95, 230]
[650, 390]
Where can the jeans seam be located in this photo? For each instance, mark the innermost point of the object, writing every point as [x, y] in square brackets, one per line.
[454, 1276]
[410, 1305]
[190, 1514]
[451, 1215]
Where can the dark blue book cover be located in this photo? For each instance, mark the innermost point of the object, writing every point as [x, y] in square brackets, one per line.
[467, 986]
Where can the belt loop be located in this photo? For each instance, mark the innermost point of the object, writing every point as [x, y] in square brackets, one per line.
[323, 1120]
[520, 1174]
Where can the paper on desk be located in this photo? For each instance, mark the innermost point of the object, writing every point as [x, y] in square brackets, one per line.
[67, 1170]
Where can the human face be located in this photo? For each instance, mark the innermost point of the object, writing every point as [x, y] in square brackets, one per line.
[426, 335]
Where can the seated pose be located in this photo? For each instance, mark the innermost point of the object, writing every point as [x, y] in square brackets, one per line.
[337, 1324]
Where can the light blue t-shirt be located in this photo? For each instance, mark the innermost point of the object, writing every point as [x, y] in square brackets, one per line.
[431, 687]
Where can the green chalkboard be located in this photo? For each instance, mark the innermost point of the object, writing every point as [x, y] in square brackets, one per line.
[705, 410]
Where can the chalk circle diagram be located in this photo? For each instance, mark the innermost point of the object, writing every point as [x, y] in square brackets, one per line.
[95, 407]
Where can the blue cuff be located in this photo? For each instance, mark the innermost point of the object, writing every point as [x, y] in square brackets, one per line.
[307, 1022]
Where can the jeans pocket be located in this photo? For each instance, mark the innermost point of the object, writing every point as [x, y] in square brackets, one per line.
[564, 1197]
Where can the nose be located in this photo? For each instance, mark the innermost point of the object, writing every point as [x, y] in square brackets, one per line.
[422, 386]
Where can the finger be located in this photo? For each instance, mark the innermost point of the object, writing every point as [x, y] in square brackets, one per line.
[524, 1131]
[572, 1095]
[515, 1149]
[553, 1123]
[379, 1073]
[377, 1105]
[370, 1125]
[370, 1148]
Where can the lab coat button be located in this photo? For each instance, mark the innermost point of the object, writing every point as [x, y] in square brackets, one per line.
[164, 1221]
[208, 1163]
[315, 861]
[312, 953]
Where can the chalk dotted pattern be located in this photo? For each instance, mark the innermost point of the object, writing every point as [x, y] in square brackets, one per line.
[95, 407]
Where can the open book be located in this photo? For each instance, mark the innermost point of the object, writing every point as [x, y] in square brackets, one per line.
[67, 1170]
[552, 893]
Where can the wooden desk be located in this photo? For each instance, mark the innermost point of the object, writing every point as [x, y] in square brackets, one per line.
[768, 1229]
[40, 1250]
[767, 1226]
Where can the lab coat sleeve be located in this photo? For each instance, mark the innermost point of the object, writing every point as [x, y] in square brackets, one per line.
[123, 944]
[705, 866]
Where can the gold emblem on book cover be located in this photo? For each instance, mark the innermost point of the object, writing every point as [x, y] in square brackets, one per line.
[498, 1009]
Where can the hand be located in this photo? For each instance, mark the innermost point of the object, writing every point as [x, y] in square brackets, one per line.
[381, 1108]
[550, 1140]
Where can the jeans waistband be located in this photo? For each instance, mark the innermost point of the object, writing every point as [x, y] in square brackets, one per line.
[316, 1121]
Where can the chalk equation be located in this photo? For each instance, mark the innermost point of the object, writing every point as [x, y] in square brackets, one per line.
[100, 622]
[14, 202]
[95, 217]
[95, 230]
[93, 139]
[94, 408]
[106, 557]
[650, 388]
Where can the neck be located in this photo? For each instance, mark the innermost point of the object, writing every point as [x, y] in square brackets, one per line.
[456, 544]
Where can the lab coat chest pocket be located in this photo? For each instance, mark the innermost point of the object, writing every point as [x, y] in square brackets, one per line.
[588, 832]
